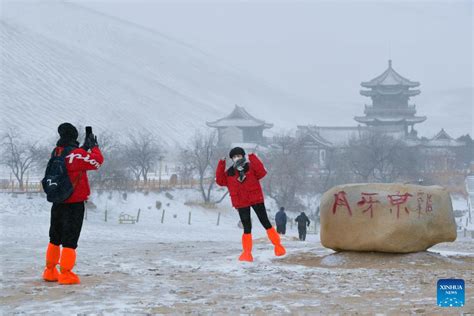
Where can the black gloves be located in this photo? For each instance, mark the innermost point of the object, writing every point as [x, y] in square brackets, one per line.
[90, 142]
[95, 142]
[239, 164]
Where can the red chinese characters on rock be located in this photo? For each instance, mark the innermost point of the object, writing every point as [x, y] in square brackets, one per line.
[370, 199]
[341, 200]
[397, 200]
[428, 204]
[419, 202]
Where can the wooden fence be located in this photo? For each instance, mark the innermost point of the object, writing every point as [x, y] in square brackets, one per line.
[150, 185]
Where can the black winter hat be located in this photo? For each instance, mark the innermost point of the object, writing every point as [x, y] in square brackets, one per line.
[67, 131]
[236, 151]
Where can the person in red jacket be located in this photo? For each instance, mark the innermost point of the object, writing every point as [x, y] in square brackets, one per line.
[243, 181]
[67, 217]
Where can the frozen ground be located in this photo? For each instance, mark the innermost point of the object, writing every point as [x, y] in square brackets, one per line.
[174, 267]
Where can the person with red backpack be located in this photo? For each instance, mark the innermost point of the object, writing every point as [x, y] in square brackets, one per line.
[68, 190]
[243, 181]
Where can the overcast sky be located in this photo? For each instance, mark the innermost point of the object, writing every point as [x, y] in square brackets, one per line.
[322, 50]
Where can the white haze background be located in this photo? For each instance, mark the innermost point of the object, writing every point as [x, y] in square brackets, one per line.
[322, 50]
[288, 62]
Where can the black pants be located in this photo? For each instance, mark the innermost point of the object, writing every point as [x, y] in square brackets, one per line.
[66, 224]
[302, 232]
[281, 229]
[261, 212]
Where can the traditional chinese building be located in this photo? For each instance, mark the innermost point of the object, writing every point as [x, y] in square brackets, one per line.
[321, 140]
[441, 151]
[239, 127]
[390, 111]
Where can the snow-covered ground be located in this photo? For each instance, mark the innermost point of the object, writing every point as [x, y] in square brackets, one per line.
[174, 267]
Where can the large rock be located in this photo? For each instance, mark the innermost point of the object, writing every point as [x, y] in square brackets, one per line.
[386, 217]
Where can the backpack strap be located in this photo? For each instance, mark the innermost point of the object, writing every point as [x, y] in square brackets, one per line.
[61, 151]
[66, 151]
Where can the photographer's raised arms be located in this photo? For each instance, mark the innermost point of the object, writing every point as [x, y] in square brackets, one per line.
[67, 187]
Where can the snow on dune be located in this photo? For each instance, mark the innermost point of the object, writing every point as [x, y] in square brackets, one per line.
[61, 61]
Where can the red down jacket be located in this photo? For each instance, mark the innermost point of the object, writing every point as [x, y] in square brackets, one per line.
[248, 192]
[78, 161]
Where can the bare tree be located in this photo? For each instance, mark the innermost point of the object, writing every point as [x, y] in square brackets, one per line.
[380, 157]
[336, 171]
[287, 164]
[113, 173]
[203, 155]
[185, 165]
[20, 156]
[142, 152]
[41, 154]
[465, 154]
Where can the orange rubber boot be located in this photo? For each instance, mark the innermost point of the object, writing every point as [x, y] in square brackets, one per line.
[50, 273]
[275, 239]
[68, 259]
[246, 248]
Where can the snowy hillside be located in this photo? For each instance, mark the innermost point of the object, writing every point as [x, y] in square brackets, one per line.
[63, 62]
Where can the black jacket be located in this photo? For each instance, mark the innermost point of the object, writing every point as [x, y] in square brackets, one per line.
[302, 220]
[280, 218]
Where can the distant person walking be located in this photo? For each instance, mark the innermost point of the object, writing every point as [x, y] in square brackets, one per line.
[66, 185]
[243, 181]
[303, 222]
[280, 221]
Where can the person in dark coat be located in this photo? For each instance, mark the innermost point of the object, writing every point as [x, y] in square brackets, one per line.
[303, 222]
[280, 221]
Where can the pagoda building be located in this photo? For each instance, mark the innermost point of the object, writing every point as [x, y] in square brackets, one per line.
[390, 111]
[240, 128]
[391, 114]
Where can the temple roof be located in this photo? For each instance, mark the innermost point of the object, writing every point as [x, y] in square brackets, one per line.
[377, 91]
[379, 119]
[442, 139]
[331, 136]
[442, 135]
[239, 118]
[390, 78]
[374, 111]
[314, 137]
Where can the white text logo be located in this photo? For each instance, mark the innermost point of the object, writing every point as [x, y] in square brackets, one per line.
[86, 159]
